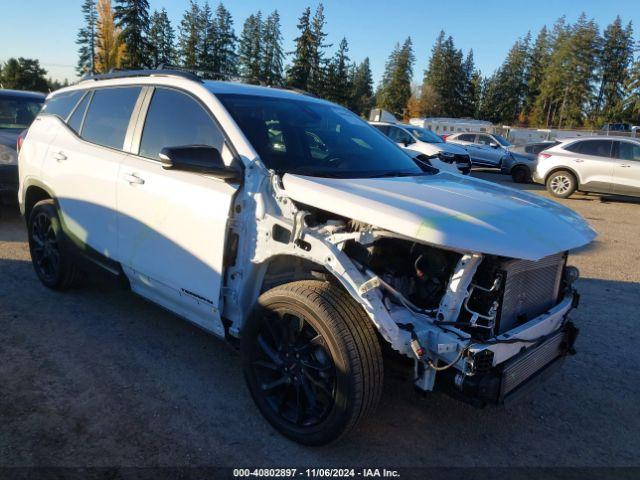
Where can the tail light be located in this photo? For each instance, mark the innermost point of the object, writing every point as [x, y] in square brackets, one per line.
[20, 140]
[542, 156]
[444, 137]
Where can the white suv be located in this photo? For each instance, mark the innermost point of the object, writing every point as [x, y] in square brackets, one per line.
[601, 165]
[287, 222]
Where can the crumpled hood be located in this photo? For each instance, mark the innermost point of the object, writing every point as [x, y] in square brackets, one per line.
[451, 148]
[451, 211]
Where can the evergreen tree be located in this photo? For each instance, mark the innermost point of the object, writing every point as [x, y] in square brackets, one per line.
[225, 58]
[395, 90]
[251, 49]
[509, 91]
[161, 39]
[317, 74]
[338, 86]
[189, 36]
[109, 46]
[615, 58]
[299, 71]
[362, 89]
[132, 17]
[87, 38]
[207, 36]
[470, 86]
[24, 74]
[632, 102]
[537, 62]
[445, 81]
[273, 54]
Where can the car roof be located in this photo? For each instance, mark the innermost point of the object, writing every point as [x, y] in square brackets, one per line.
[22, 93]
[237, 88]
[600, 137]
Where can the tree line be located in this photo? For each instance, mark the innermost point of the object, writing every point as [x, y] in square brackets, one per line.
[127, 35]
[568, 76]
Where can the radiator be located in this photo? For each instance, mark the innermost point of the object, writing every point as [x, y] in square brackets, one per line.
[530, 289]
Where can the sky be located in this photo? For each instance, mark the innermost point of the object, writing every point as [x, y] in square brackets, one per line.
[46, 29]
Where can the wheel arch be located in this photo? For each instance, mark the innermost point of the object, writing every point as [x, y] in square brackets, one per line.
[34, 193]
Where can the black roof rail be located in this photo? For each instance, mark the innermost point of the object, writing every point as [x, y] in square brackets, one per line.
[141, 73]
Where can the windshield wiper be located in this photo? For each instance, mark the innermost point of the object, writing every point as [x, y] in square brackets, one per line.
[399, 174]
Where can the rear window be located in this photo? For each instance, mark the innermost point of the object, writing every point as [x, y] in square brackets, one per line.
[596, 148]
[107, 119]
[17, 112]
[62, 103]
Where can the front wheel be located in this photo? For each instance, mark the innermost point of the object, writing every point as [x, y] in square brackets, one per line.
[521, 174]
[312, 361]
[562, 184]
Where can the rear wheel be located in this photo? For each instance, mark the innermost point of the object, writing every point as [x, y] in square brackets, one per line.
[312, 361]
[52, 265]
[521, 174]
[562, 184]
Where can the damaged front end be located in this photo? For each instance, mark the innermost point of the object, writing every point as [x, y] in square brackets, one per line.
[478, 326]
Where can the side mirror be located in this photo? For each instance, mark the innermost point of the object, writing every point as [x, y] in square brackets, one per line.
[493, 145]
[198, 159]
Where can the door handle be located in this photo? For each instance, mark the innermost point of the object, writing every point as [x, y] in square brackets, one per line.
[59, 156]
[133, 179]
[624, 165]
[578, 160]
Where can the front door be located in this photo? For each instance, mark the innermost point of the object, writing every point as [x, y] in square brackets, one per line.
[626, 171]
[172, 225]
[486, 153]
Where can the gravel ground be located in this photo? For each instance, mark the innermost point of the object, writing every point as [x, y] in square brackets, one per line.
[99, 377]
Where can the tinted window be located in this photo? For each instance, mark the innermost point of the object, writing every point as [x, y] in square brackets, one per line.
[597, 148]
[75, 121]
[398, 135]
[424, 135]
[629, 151]
[466, 138]
[175, 119]
[62, 104]
[310, 137]
[108, 116]
[383, 128]
[17, 112]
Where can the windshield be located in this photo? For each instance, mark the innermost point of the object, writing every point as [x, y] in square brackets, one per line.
[424, 135]
[18, 112]
[503, 141]
[313, 138]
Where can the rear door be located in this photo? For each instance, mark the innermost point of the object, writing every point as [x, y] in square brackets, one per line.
[172, 225]
[593, 161]
[626, 171]
[82, 166]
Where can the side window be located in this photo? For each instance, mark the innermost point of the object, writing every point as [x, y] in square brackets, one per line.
[175, 119]
[107, 119]
[400, 136]
[485, 140]
[596, 148]
[466, 138]
[62, 104]
[629, 151]
[383, 128]
[75, 121]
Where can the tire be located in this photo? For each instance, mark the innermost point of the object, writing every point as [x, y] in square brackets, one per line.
[337, 380]
[561, 184]
[52, 264]
[521, 174]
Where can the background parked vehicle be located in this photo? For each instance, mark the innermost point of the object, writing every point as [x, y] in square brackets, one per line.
[522, 162]
[485, 149]
[17, 111]
[601, 165]
[427, 146]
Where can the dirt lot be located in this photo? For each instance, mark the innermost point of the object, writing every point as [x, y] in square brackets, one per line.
[99, 377]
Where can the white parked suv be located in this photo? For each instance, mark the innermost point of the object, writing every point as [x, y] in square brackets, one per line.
[425, 146]
[286, 222]
[598, 164]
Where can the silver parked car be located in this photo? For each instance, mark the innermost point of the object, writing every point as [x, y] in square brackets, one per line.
[602, 165]
[485, 149]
